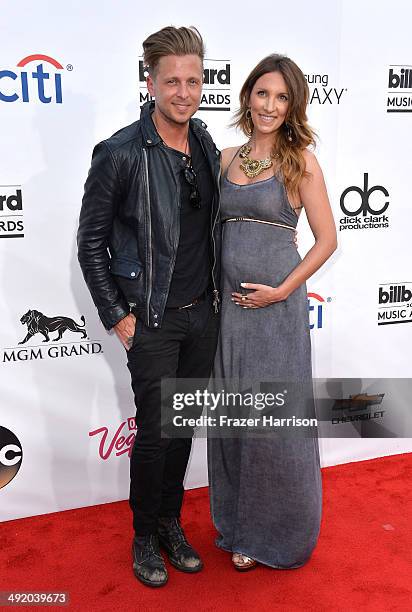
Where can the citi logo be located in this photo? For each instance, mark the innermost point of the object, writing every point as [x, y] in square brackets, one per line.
[315, 307]
[400, 78]
[38, 79]
[394, 294]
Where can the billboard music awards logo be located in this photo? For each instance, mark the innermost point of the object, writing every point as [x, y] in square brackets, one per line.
[364, 206]
[316, 305]
[320, 91]
[216, 93]
[11, 456]
[39, 327]
[399, 95]
[11, 212]
[38, 78]
[120, 443]
[395, 303]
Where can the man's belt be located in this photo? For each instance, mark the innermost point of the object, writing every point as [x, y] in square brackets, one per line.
[194, 302]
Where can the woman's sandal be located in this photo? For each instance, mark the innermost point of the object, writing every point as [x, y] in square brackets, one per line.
[243, 563]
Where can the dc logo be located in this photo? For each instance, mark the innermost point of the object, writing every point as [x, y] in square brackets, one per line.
[365, 194]
[11, 456]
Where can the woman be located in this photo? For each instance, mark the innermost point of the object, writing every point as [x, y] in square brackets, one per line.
[266, 493]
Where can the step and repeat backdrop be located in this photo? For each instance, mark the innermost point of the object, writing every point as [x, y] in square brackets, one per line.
[71, 75]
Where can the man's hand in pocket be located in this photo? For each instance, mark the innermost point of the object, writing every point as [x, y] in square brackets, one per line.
[125, 330]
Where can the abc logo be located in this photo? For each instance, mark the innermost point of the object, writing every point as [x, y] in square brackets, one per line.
[11, 456]
[365, 194]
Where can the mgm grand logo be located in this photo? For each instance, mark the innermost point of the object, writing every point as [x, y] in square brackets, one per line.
[41, 327]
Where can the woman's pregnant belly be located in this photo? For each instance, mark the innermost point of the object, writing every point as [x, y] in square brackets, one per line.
[257, 253]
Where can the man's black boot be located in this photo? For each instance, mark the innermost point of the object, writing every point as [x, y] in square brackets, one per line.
[148, 564]
[179, 551]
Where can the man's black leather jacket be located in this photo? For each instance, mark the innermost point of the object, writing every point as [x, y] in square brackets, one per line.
[130, 221]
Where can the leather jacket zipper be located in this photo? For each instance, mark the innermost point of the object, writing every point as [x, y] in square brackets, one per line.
[149, 240]
[216, 298]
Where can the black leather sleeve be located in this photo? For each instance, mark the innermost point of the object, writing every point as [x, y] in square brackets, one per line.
[100, 201]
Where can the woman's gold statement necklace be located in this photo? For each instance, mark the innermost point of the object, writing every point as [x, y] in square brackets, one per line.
[253, 167]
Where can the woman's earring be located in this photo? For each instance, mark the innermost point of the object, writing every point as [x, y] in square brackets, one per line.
[289, 132]
[249, 122]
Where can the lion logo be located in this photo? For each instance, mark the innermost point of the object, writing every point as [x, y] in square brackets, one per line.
[38, 323]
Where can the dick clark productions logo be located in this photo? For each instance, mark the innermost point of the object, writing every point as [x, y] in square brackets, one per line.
[364, 206]
[11, 456]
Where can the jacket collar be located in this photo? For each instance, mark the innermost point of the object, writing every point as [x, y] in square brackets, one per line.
[149, 131]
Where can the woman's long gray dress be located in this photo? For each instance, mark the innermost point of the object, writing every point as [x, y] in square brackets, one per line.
[266, 494]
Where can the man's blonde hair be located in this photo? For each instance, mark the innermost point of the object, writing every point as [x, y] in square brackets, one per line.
[172, 41]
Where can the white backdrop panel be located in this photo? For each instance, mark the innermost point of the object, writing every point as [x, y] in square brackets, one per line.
[69, 401]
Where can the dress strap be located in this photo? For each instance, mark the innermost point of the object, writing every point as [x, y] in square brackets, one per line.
[231, 162]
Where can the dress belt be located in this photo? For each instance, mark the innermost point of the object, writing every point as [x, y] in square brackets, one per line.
[290, 227]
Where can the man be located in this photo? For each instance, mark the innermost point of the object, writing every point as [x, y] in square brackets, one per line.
[148, 246]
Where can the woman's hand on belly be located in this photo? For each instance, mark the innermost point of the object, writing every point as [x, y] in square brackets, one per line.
[260, 296]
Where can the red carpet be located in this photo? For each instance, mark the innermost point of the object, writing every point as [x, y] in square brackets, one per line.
[363, 560]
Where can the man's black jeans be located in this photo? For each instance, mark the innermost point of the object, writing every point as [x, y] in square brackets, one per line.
[184, 347]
